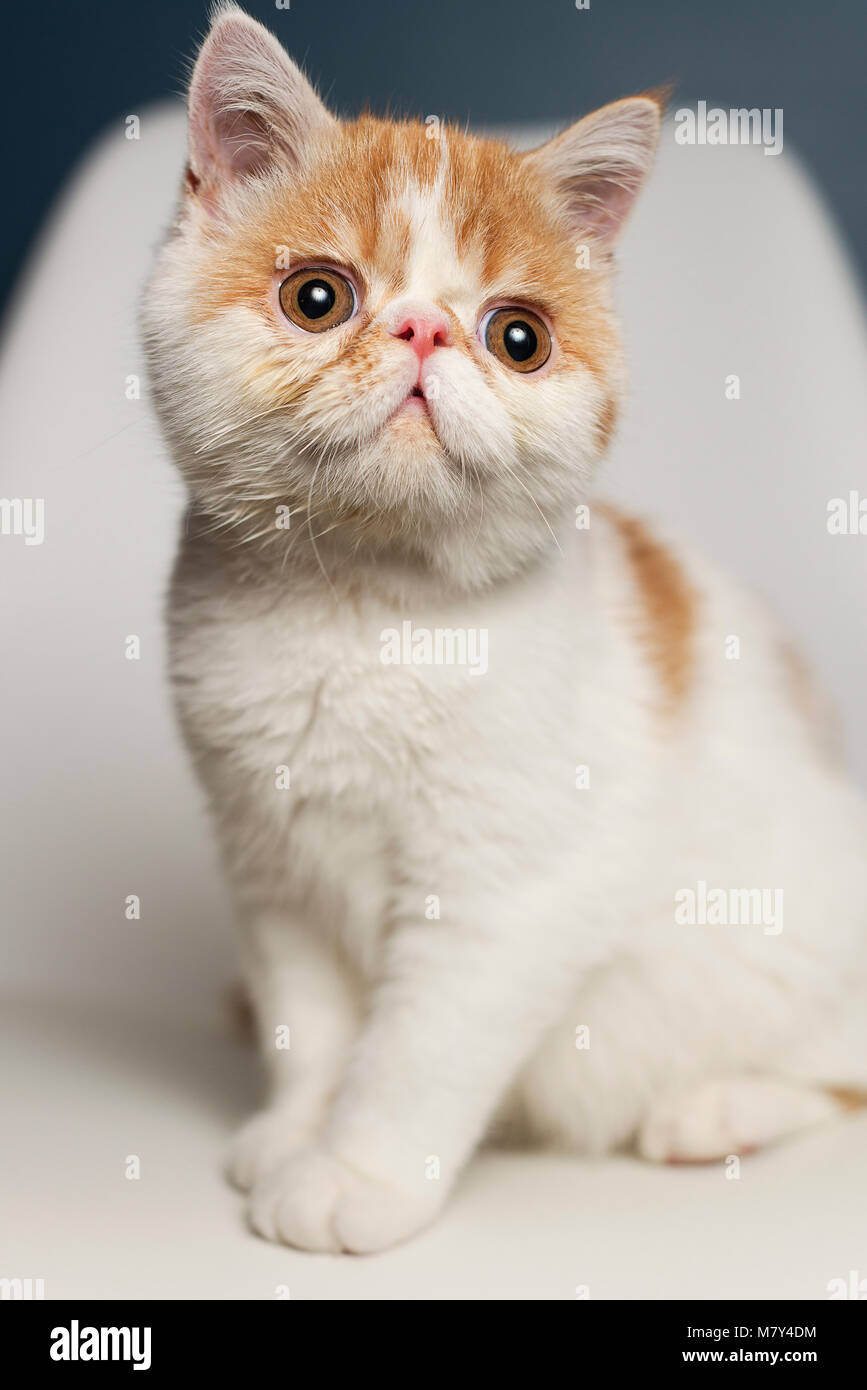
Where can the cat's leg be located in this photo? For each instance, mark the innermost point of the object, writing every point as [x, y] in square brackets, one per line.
[461, 1004]
[306, 1017]
[735, 1115]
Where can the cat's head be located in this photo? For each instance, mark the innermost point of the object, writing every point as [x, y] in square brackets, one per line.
[400, 332]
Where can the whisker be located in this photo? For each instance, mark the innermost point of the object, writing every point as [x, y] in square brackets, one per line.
[513, 474]
[313, 538]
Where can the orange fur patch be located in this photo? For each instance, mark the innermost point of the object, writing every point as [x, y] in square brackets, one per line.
[848, 1097]
[348, 210]
[667, 605]
[607, 423]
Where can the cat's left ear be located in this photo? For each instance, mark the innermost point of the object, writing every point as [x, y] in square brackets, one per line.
[249, 106]
[597, 166]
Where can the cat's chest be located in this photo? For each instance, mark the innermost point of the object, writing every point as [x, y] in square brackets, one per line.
[359, 699]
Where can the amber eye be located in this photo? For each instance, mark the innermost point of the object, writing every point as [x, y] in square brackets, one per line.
[518, 338]
[316, 300]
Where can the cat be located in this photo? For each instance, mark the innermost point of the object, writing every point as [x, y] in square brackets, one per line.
[603, 889]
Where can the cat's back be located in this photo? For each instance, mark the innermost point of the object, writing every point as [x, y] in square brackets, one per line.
[721, 674]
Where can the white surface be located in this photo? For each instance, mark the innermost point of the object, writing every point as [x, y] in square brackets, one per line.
[114, 1040]
[92, 1088]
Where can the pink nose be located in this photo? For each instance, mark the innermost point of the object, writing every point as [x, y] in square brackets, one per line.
[423, 332]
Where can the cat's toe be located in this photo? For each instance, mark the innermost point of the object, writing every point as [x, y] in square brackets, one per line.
[369, 1217]
[317, 1202]
[295, 1203]
[265, 1142]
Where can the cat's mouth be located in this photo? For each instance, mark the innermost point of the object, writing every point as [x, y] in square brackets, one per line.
[414, 404]
[412, 421]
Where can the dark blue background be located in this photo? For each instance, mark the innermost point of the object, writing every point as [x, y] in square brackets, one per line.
[70, 69]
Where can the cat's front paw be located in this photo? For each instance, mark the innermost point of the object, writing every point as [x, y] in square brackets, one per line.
[315, 1201]
[264, 1143]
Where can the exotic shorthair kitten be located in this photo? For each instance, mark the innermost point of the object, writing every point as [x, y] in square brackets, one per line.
[514, 849]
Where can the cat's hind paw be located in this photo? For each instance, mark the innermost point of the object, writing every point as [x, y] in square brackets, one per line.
[730, 1115]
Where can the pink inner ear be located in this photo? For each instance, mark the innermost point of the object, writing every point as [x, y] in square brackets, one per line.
[242, 141]
[602, 205]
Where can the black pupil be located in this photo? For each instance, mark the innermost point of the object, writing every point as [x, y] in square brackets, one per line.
[316, 299]
[520, 340]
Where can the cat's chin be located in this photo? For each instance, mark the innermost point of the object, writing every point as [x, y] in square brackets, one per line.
[407, 473]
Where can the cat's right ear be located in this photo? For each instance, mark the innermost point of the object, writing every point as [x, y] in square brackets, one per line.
[249, 107]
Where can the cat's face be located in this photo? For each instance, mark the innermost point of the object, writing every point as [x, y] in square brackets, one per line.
[399, 332]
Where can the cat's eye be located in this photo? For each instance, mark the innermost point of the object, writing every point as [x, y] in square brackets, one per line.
[317, 300]
[518, 338]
